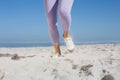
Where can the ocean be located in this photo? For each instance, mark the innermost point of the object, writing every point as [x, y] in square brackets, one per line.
[24, 44]
[46, 44]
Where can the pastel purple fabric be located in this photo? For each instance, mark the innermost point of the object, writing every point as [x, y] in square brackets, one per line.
[64, 8]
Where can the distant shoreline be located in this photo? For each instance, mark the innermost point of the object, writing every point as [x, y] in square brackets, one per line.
[47, 44]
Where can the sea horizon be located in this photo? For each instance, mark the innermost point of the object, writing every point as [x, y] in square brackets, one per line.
[47, 44]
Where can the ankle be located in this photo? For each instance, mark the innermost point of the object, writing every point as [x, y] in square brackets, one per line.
[65, 34]
[57, 48]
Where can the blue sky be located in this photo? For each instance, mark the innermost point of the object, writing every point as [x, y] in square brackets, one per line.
[92, 20]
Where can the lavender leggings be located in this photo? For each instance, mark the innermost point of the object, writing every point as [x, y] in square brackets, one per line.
[64, 7]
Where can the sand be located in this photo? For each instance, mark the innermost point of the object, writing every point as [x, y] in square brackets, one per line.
[87, 62]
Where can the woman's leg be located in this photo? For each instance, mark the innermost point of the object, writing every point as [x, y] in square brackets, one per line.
[65, 7]
[51, 14]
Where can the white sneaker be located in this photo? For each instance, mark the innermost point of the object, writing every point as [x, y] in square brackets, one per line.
[69, 44]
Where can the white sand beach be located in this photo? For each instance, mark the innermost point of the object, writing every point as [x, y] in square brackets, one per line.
[87, 62]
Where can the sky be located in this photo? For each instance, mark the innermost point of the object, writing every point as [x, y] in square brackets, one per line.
[92, 20]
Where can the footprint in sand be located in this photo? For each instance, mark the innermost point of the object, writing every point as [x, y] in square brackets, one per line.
[69, 60]
[85, 69]
[55, 73]
[15, 56]
[74, 66]
[108, 77]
